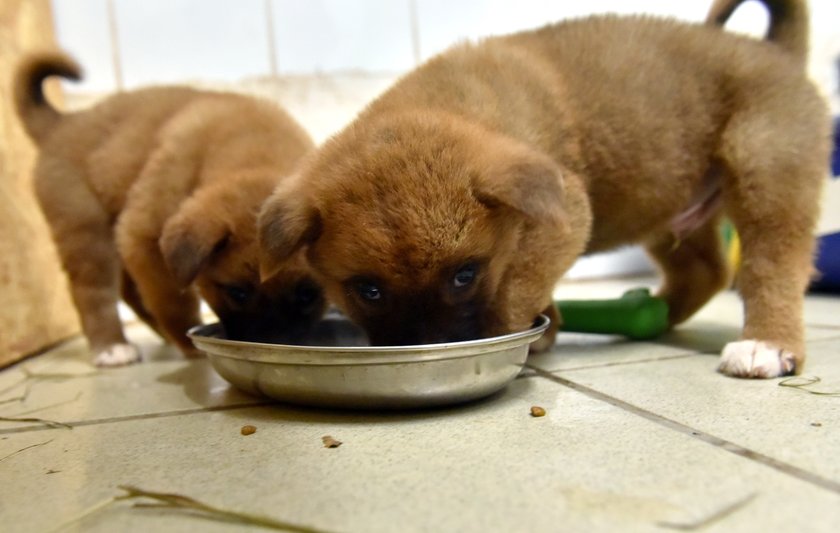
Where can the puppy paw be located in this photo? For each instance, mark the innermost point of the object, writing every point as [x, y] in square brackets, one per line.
[756, 359]
[118, 355]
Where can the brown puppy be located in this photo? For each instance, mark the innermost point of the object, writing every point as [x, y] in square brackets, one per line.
[155, 193]
[452, 205]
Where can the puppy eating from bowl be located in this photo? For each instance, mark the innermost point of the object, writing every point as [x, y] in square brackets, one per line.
[152, 195]
[449, 209]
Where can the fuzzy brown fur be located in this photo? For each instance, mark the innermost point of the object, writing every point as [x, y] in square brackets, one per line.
[154, 193]
[499, 163]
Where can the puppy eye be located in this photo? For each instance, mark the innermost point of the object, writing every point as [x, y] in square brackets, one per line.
[369, 291]
[465, 275]
[238, 295]
[306, 293]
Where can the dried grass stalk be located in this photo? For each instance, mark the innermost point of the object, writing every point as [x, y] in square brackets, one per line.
[165, 500]
[178, 501]
[803, 382]
[24, 449]
[42, 421]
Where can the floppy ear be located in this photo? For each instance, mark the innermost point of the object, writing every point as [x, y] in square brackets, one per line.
[284, 225]
[529, 184]
[189, 239]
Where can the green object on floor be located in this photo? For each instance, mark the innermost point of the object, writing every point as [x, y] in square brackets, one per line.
[636, 315]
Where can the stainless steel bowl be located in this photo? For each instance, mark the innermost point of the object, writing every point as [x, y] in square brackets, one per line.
[337, 369]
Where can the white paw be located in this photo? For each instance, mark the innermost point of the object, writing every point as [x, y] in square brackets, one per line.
[118, 355]
[755, 359]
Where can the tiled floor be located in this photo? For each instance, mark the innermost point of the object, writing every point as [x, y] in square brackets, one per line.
[639, 436]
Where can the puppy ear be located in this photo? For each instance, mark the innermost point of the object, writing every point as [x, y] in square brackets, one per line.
[188, 240]
[285, 224]
[530, 185]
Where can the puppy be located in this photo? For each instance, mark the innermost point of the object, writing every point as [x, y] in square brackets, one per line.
[153, 194]
[452, 205]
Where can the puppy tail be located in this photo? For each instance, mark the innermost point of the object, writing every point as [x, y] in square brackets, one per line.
[788, 22]
[36, 113]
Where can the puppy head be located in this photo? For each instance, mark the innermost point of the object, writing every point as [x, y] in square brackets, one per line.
[418, 229]
[211, 243]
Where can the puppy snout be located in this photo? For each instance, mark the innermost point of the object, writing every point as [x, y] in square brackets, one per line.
[261, 329]
[425, 332]
[286, 320]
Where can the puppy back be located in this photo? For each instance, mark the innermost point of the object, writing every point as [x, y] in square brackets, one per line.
[788, 22]
[36, 113]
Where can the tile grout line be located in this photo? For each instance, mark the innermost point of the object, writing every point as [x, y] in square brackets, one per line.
[781, 466]
[623, 363]
[832, 337]
[655, 359]
[130, 418]
[818, 325]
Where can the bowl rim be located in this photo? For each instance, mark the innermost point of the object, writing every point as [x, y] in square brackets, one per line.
[303, 354]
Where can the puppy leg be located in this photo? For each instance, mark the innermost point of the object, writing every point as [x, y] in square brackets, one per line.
[164, 182]
[775, 269]
[693, 269]
[173, 308]
[131, 296]
[772, 196]
[85, 242]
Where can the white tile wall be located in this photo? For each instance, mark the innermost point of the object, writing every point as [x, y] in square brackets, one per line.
[82, 30]
[175, 40]
[443, 22]
[225, 40]
[330, 35]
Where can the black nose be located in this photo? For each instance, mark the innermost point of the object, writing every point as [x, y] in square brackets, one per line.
[268, 328]
[424, 333]
[306, 294]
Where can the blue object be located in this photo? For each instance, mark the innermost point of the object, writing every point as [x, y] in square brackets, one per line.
[835, 158]
[828, 263]
[828, 246]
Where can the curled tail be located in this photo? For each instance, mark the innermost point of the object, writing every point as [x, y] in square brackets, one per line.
[36, 113]
[788, 23]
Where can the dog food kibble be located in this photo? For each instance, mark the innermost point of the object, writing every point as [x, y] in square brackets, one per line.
[537, 411]
[330, 442]
[248, 430]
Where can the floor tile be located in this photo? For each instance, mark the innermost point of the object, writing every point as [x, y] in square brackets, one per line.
[486, 466]
[708, 331]
[64, 386]
[578, 350]
[783, 423]
[823, 310]
[820, 309]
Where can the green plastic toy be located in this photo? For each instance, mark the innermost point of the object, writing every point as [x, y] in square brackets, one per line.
[636, 315]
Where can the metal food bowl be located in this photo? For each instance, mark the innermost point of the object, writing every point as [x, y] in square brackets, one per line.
[336, 367]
